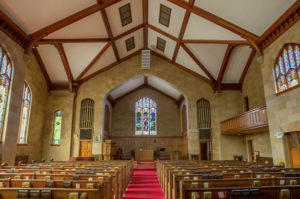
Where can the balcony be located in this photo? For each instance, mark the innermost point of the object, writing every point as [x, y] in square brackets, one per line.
[252, 121]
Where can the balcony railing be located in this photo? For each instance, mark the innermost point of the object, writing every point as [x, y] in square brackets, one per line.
[248, 122]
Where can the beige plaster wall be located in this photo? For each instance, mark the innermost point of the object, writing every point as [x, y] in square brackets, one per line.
[58, 100]
[123, 114]
[284, 109]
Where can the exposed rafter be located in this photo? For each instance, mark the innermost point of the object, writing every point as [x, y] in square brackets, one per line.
[98, 56]
[201, 41]
[162, 32]
[182, 30]
[108, 30]
[145, 22]
[129, 31]
[198, 62]
[41, 63]
[246, 67]
[66, 65]
[83, 40]
[224, 66]
[38, 35]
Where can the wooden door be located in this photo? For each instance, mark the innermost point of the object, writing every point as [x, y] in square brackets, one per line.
[85, 148]
[205, 151]
[250, 151]
[294, 146]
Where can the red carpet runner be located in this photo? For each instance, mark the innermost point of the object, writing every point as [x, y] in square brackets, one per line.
[144, 185]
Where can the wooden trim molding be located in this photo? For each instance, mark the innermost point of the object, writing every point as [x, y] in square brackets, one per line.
[201, 41]
[83, 40]
[145, 22]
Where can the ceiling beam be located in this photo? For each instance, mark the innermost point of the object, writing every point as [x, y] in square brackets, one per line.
[59, 86]
[109, 31]
[83, 40]
[97, 57]
[128, 31]
[200, 41]
[66, 65]
[246, 67]
[198, 62]
[162, 32]
[145, 22]
[42, 66]
[146, 80]
[182, 30]
[217, 20]
[224, 66]
[38, 35]
[231, 86]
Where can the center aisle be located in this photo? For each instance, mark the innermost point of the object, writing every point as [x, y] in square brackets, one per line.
[144, 184]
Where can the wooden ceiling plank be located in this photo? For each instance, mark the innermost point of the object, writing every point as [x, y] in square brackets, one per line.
[198, 63]
[96, 58]
[145, 22]
[224, 66]
[128, 32]
[217, 20]
[182, 30]
[108, 30]
[162, 32]
[42, 66]
[246, 67]
[200, 41]
[83, 40]
[38, 35]
[66, 65]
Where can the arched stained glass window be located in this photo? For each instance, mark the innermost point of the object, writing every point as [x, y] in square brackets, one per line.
[287, 68]
[5, 81]
[25, 115]
[145, 117]
[57, 127]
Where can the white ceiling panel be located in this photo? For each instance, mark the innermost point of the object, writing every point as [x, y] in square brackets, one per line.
[79, 55]
[152, 40]
[106, 59]
[53, 63]
[200, 28]
[114, 18]
[210, 55]
[176, 18]
[236, 64]
[138, 40]
[127, 87]
[163, 86]
[33, 15]
[184, 59]
[255, 15]
[88, 27]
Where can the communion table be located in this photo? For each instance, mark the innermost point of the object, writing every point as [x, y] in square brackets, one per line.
[144, 154]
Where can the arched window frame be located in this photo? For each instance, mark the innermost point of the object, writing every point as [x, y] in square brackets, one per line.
[203, 113]
[6, 72]
[27, 99]
[56, 141]
[87, 114]
[141, 107]
[283, 68]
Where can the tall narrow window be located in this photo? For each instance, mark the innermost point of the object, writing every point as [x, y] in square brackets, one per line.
[5, 81]
[204, 119]
[57, 128]
[25, 115]
[287, 68]
[145, 117]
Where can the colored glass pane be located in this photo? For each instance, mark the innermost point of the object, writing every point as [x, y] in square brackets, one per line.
[297, 54]
[277, 71]
[292, 78]
[8, 70]
[282, 85]
[281, 66]
[145, 117]
[291, 57]
[3, 65]
[286, 60]
[23, 131]
[57, 127]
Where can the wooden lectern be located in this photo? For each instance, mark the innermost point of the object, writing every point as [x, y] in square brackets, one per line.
[108, 150]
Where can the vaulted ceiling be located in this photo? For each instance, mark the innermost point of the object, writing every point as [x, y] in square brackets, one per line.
[214, 40]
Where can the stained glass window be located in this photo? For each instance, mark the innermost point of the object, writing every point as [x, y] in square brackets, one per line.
[5, 81]
[57, 127]
[25, 115]
[287, 68]
[145, 117]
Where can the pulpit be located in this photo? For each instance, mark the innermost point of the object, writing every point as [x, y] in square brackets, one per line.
[144, 154]
[108, 150]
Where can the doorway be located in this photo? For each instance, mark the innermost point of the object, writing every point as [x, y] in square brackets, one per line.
[85, 149]
[294, 147]
[205, 150]
[250, 151]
